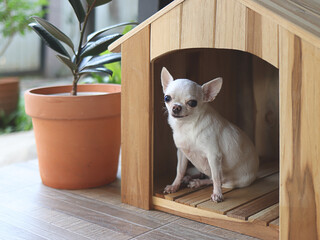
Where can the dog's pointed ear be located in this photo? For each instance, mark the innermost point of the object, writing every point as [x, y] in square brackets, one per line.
[211, 89]
[166, 78]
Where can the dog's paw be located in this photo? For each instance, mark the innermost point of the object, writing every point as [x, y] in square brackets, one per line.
[194, 183]
[186, 180]
[217, 197]
[171, 188]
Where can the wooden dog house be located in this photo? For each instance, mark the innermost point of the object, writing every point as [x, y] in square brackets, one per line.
[268, 53]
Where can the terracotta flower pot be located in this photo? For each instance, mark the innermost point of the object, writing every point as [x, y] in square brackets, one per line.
[9, 94]
[77, 137]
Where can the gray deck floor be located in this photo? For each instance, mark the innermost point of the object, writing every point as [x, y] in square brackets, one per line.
[30, 210]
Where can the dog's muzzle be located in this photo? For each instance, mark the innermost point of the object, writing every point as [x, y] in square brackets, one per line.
[176, 109]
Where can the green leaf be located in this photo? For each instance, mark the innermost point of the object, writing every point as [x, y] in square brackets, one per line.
[97, 47]
[104, 59]
[93, 35]
[84, 62]
[78, 9]
[98, 2]
[54, 31]
[99, 70]
[51, 41]
[67, 62]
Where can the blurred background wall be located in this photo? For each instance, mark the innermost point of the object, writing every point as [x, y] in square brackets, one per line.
[28, 55]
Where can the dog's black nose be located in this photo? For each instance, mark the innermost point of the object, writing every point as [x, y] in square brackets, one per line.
[176, 109]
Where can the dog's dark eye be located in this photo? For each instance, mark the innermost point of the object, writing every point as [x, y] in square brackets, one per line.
[167, 98]
[192, 103]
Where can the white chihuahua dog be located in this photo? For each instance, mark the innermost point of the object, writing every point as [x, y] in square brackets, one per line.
[213, 145]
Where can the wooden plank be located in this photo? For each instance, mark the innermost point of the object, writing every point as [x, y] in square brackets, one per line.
[266, 101]
[212, 230]
[304, 23]
[275, 224]
[230, 25]
[195, 196]
[100, 207]
[215, 219]
[265, 216]
[241, 196]
[100, 218]
[35, 226]
[200, 196]
[136, 121]
[262, 37]
[7, 231]
[116, 46]
[165, 32]
[157, 234]
[238, 27]
[197, 28]
[181, 193]
[250, 208]
[309, 5]
[299, 137]
[46, 213]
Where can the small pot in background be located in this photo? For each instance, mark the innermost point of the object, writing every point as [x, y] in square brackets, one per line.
[9, 94]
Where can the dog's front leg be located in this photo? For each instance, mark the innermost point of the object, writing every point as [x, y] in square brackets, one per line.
[181, 171]
[216, 173]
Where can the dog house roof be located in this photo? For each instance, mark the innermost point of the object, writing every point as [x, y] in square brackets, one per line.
[299, 17]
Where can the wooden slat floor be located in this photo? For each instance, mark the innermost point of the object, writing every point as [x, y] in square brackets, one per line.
[30, 210]
[257, 203]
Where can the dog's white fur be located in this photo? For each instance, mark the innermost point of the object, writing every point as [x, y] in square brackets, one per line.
[214, 146]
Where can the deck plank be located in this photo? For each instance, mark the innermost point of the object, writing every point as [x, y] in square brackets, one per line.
[30, 210]
[241, 196]
[198, 197]
[251, 208]
[181, 193]
[266, 216]
[275, 224]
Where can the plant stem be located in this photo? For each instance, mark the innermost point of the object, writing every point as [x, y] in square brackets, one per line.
[82, 32]
[6, 45]
[75, 85]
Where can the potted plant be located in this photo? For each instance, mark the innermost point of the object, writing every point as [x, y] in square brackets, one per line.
[14, 19]
[77, 127]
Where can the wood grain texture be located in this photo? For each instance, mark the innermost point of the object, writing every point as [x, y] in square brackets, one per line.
[309, 5]
[262, 37]
[291, 16]
[199, 196]
[238, 27]
[238, 197]
[197, 28]
[275, 224]
[180, 193]
[165, 32]
[136, 125]
[116, 46]
[299, 138]
[230, 31]
[266, 216]
[250, 208]
[215, 219]
[30, 210]
[299, 16]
